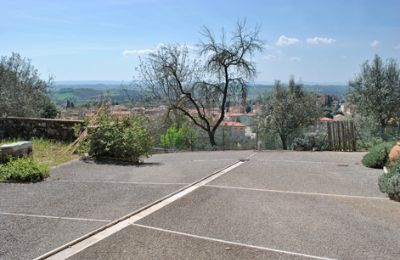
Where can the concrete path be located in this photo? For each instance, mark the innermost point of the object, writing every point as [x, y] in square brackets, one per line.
[276, 205]
[80, 197]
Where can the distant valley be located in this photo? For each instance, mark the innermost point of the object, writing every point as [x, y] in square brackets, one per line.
[82, 93]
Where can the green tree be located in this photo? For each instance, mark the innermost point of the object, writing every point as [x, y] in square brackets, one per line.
[287, 109]
[22, 91]
[375, 92]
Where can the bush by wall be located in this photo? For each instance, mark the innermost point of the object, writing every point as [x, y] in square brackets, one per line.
[23, 170]
[125, 138]
[389, 183]
[378, 155]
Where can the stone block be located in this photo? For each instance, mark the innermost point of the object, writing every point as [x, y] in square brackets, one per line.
[15, 150]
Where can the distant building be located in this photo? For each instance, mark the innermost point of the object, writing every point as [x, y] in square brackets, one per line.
[235, 129]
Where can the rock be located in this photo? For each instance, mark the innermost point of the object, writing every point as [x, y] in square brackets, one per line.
[15, 150]
[394, 154]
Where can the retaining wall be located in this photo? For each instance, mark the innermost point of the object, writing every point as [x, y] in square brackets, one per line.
[27, 128]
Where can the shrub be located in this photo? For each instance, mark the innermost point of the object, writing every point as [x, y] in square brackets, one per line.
[378, 155]
[389, 183]
[23, 170]
[313, 141]
[178, 138]
[125, 138]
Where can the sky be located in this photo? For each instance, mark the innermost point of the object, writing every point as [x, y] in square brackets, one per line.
[316, 41]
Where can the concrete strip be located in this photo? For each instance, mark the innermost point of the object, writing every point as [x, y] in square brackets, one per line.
[53, 217]
[80, 244]
[125, 182]
[234, 243]
[297, 192]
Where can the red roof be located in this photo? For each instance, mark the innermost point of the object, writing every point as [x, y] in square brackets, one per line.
[233, 124]
[324, 119]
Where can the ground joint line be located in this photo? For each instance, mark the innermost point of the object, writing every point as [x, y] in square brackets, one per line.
[231, 242]
[296, 192]
[52, 217]
[84, 242]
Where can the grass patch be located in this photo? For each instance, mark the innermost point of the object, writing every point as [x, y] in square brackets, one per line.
[48, 152]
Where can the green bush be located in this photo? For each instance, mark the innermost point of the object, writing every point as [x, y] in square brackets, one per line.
[23, 170]
[378, 155]
[125, 138]
[180, 139]
[389, 183]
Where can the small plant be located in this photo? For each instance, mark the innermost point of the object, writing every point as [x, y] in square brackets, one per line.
[389, 183]
[178, 138]
[23, 170]
[125, 138]
[313, 141]
[378, 155]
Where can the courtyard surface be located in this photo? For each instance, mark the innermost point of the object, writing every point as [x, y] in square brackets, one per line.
[277, 205]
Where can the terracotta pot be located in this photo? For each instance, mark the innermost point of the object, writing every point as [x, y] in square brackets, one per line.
[394, 154]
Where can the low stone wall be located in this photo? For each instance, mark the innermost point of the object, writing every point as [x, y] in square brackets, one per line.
[27, 128]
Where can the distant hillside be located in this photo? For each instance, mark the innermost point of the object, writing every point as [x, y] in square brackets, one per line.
[82, 96]
[338, 90]
[87, 92]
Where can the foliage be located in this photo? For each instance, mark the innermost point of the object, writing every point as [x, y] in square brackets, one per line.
[378, 155]
[389, 183]
[124, 138]
[49, 110]
[313, 141]
[23, 170]
[375, 92]
[47, 152]
[22, 92]
[178, 138]
[196, 88]
[288, 109]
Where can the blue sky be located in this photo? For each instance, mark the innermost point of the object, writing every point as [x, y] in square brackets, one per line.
[320, 41]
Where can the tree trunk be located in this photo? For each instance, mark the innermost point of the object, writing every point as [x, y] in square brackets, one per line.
[211, 135]
[284, 142]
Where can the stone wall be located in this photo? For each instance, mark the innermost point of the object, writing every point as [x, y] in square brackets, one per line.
[27, 128]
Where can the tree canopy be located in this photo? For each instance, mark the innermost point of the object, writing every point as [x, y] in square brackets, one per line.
[22, 91]
[288, 108]
[375, 91]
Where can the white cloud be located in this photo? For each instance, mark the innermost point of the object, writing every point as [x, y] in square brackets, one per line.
[286, 41]
[397, 47]
[295, 59]
[137, 52]
[320, 40]
[375, 44]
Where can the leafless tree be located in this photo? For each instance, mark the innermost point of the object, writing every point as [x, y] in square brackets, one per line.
[199, 88]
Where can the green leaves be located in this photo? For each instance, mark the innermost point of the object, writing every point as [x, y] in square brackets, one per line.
[289, 108]
[375, 92]
[23, 170]
[125, 138]
[378, 155]
[178, 138]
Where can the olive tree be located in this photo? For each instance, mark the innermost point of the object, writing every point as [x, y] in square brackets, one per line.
[375, 91]
[287, 109]
[200, 88]
[22, 91]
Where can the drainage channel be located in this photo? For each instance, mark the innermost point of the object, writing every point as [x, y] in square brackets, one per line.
[77, 245]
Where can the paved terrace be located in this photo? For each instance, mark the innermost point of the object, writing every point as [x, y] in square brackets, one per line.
[278, 205]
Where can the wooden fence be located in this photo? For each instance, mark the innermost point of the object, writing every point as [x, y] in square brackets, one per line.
[342, 136]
